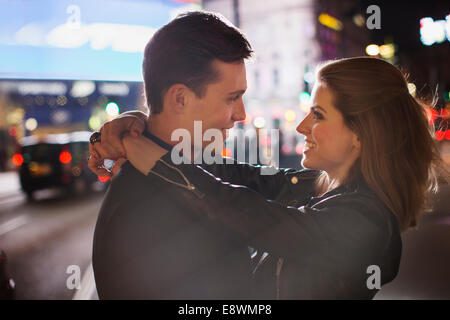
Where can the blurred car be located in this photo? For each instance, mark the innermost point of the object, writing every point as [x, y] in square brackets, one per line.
[7, 284]
[55, 160]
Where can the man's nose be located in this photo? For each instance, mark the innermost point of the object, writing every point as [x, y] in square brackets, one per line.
[304, 126]
[239, 112]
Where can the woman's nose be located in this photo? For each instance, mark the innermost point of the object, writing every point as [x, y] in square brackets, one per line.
[304, 127]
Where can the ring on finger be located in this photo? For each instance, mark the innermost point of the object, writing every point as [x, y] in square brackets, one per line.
[96, 136]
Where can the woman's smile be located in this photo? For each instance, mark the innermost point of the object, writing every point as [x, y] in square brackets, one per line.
[308, 146]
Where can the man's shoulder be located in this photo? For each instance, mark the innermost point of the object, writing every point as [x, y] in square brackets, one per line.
[127, 175]
[127, 195]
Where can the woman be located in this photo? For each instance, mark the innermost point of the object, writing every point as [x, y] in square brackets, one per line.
[371, 141]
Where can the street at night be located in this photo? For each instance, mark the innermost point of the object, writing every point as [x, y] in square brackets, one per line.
[43, 238]
[323, 125]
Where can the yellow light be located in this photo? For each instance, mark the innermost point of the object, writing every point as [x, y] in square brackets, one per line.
[387, 50]
[372, 50]
[31, 124]
[290, 115]
[16, 116]
[259, 122]
[359, 20]
[412, 89]
[95, 123]
[330, 22]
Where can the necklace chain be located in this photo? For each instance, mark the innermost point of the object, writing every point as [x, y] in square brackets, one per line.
[188, 185]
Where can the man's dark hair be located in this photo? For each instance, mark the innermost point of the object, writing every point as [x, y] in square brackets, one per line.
[183, 51]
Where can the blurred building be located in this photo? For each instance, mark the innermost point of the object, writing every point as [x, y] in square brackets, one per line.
[341, 28]
[422, 43]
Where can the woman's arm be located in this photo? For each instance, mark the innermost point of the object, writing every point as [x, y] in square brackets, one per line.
[344, 227]
[142, 152]
[110, 146]
[336, 229]
[287, 186]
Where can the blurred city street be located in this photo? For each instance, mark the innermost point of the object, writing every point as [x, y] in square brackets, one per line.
[68, 67]
[43, 238]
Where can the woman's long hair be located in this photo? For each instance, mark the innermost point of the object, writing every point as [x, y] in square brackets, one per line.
[399, 155]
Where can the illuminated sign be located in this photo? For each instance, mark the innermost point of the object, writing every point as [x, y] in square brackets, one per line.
[83, 39]
[434, 31]
[330, 22]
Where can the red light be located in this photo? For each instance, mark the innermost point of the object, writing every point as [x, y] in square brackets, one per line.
[12, 131]
[17, 159]
[226, 152]
[65, 157]
[103, 179]
[432, 115]
[286, 148]
[440, 135]
[299, 148]
[447, 134]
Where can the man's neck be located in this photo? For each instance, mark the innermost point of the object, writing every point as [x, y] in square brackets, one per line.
[161, 128]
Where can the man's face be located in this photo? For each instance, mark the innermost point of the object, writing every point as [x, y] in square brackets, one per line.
[222, 104]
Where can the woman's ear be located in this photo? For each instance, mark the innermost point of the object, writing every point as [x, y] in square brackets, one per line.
[356, 141]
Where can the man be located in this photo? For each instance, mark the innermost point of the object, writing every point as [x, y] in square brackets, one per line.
[149, 243]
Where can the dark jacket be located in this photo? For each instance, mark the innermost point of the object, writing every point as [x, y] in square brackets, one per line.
[319, 247]
[152, 242]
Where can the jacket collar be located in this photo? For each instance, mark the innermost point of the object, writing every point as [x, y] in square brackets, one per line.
[157, 140]
[357, 184]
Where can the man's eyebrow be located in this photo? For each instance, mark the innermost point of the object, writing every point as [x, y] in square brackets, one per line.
[318, 107]
[236, 92]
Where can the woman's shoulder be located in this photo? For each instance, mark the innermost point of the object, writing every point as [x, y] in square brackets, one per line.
[357, 198]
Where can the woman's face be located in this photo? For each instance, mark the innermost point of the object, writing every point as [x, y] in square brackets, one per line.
[329, 144]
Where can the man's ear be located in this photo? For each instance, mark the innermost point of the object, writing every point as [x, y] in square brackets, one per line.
[178, 98]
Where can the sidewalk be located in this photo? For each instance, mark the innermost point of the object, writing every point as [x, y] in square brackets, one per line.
[9, 183]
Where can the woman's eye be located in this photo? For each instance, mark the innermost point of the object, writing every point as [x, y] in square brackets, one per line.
[317, 115]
